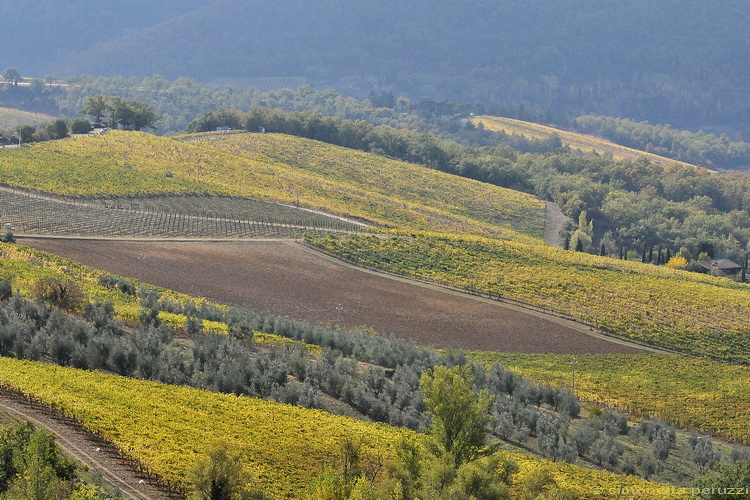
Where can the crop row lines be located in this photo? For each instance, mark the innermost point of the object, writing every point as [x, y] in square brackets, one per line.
[33, 215]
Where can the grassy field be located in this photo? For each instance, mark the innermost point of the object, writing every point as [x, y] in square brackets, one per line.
[687, 312]
[332, 179]
[11, 118]
[574, 140]
[699, 394]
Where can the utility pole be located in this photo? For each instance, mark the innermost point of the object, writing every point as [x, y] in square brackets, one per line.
[339, 308]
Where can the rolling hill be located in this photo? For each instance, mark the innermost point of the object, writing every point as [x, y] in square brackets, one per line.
[167, 427]
[586, 144]
[261, 166]
[484, 240]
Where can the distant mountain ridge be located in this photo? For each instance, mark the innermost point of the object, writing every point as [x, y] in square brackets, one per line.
[680, 62]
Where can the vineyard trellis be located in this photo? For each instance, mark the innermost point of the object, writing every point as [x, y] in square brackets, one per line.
[168, 217]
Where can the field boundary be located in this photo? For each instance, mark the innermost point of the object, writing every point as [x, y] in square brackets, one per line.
[554, 316]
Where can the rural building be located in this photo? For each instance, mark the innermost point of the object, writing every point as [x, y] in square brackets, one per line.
[724, 266]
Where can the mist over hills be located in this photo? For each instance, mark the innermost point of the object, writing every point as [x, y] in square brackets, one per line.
[681, 62]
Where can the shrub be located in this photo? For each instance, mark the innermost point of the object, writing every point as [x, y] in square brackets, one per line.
[6, 289]
[58, 292]
[80, 126]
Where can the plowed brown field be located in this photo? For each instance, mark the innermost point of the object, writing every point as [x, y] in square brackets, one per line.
[289, 279]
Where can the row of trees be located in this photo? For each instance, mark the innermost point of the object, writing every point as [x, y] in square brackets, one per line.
[392, 386]
[56, 129]
[128, 114]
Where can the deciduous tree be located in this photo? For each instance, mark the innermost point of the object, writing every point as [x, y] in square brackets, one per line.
[96, 106]
[459, 415]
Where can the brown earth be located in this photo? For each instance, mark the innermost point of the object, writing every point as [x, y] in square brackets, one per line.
[289, 279]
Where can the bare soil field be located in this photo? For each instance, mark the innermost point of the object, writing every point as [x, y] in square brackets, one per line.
[286, 278]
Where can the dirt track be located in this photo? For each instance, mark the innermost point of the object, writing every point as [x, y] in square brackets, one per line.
[84, 448]
[288, 279]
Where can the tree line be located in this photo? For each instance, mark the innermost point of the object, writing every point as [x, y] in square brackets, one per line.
[357, 372]
[633, 204]
[699, 148]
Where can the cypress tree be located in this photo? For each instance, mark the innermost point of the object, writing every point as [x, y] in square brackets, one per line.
[603, 251]
[579, 245]
[622, 255]
[651, 254]
[643, 255]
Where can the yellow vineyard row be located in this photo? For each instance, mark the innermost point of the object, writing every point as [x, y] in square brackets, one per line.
[284, 447]
[699, 394]
[678, 310]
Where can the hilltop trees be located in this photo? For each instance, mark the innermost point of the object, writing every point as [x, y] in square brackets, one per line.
[131, 114]
[128, 114]
[11, 75]
[96, 106]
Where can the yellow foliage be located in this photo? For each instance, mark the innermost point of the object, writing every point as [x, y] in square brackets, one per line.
[278, 168]
[284, 447]
[708, 396]
[677, 262]
[574, 140]
[675, 309]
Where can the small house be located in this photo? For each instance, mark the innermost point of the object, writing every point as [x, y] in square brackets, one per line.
[720, 266]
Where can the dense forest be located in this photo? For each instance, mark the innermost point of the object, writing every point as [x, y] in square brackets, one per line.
[674, 62]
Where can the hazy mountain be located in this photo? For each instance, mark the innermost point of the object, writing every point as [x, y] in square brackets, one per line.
[682, 61]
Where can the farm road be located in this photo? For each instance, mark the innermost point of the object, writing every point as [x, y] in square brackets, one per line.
[289, 279]
[83, 448]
